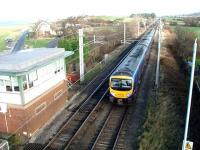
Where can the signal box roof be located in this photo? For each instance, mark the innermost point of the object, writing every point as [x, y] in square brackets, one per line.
[26, 60]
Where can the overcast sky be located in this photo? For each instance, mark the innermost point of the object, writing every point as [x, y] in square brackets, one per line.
[54, 9]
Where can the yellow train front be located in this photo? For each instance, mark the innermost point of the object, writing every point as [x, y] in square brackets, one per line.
[125, 80]
[121, 89]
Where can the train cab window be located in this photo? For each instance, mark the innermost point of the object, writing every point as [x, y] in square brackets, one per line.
[121, 84]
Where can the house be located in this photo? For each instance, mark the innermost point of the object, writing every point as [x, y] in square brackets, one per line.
[32, 88]
[44, 30]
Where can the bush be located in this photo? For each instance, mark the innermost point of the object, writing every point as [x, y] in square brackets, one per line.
[173, 23]
[192, 21]
[184, 42]
[72, 44]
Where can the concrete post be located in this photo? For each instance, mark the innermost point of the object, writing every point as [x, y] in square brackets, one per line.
[158, 58]
[94, 39]
[138, 24]
[124, 34]
[81, 56]
[190, 94]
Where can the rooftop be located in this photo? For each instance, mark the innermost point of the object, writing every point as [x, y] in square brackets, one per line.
[26, 60]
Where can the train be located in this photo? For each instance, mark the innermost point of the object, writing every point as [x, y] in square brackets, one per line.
[125, 80]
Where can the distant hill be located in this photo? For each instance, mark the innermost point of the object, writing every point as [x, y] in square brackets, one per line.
[196, 14]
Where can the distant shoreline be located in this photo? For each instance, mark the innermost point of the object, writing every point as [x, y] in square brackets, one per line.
[4, 24]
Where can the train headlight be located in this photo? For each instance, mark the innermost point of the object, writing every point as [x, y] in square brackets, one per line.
[128, 95]
[113, 94]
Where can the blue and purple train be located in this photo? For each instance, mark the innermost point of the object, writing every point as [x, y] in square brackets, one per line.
[125, 79]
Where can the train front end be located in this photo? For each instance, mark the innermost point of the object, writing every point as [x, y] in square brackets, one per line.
[121, 89]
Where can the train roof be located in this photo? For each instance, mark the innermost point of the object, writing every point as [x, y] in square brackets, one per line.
[125, 71]
[130, 63]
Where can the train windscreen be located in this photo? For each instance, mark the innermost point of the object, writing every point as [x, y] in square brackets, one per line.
[121, 84]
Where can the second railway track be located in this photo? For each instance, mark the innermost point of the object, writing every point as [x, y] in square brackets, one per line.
[113, 120]
[108, 136]
[72, 127]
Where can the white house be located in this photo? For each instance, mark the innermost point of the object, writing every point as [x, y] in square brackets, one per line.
[44, 29]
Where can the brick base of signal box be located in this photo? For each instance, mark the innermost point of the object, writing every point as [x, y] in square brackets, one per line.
[29, 118]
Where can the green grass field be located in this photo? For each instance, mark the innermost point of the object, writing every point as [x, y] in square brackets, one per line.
[2, 43]
[14, 33]
[172, 20]
[198, 61]
[9, 32]
[194, 29]
[107, 17]
[37, 43]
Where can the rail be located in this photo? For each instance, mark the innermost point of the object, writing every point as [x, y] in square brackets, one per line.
[110, 130]
[83, 105]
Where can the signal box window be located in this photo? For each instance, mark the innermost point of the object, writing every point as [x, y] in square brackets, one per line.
[15, 84]
[8, 85]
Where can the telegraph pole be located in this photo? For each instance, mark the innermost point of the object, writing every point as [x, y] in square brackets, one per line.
[138, 27]
[190, 94]
[94, 38]
[145, 25]
[81, 56]
[124, 34]
[158, 63]
[158, 58]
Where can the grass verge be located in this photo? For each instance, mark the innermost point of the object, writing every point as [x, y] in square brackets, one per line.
[9, 32]
[163, 128]
[32, 43]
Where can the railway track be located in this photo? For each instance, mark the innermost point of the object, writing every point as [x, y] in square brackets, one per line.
[84, 114]
[120, 139]
[72, 127]
[108, 135]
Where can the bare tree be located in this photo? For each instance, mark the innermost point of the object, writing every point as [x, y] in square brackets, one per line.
[35, 28]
